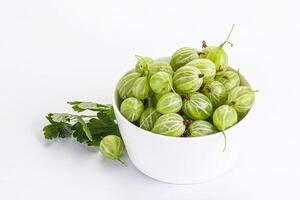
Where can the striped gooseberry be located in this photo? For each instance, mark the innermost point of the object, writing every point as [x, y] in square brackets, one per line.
[170, 124]
[206, 49]
[241, 99]
[111, 147]
[229, 79]
[216, 93]
[125, 84]
[159, 66]
[224, 117]
[201, 128]
[142, 63]
[148, 118]
[161, 82]
[187, 79]
[197, 106]
[141, 88]
[154, 99]
[132, 109]
[182, 56]
[206, 66]
[169, 103]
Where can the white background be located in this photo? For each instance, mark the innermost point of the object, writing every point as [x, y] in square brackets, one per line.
[56, 51]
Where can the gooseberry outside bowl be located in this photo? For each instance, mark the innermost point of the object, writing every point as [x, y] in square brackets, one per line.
[180, 160]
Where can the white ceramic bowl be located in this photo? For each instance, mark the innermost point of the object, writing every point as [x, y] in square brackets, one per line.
[181, 160]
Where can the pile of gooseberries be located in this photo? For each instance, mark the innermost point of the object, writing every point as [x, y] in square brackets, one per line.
[195, 94]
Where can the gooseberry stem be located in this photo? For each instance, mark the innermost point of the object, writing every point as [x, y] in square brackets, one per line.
[122, 162]
[171, 87]
[232, 103]
[132, 116]
[204, 45]
[226, 41]
[225, 141]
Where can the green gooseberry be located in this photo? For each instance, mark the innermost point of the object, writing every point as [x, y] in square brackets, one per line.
[132, 109]
[170, 124]
[112, 147]
[229, 79]
[187, 79]
[124, 86]
[197, 106]
[169, 103]
[219, 56]
[148, 118]
[142, 64]
[201, 128]
[241, 99]
[206, 66]
[154, 99]
[206, 50]
[141, 88]
[161, 82]
[182, 56]
[159, 66]
[224, 117]
[216, 93]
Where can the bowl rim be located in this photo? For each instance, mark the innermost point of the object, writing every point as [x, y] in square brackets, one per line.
[149, 133]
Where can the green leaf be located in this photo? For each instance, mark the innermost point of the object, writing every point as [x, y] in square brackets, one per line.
[61, 117]
[85, 127]
[79, 133]
[57, 130]
[79, 106]
[104, 125]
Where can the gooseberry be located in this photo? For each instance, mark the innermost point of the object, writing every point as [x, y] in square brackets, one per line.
[124, 86]
[201, 128]
[141, 88]
[219, 56]
[182, 56]
[169, 103]
[170, 124]
[148, 118]
[142, 63]
[206, 66]
[154, 99]
[112, 147]
[132, 109]
[241, 99]
[229, 79]
[187, 79]
[197, 106]
[216, 93]
[224, 117]
[161, 82]
[159, 66]
[206, 50]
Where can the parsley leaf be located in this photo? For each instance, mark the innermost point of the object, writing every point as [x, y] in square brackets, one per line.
[85, 128]
[103, 125]
[80, 106]
[56, 129]
[79, 133]
[89, 131]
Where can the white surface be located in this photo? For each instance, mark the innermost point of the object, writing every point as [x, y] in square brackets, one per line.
[178, 160]
[55, 51]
